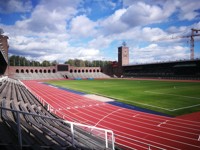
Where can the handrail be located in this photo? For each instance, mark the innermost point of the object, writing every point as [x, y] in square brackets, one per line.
[3, 78]
[50, 108]
[72, 124]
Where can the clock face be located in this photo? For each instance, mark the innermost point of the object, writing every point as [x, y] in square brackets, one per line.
[125, 54]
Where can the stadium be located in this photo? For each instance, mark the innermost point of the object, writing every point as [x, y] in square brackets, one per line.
[145, 106]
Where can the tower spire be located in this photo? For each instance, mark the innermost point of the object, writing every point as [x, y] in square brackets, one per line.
[124, 44]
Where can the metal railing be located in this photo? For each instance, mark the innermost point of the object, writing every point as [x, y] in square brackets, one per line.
[50, 108]
[3, 78]
[72, 125]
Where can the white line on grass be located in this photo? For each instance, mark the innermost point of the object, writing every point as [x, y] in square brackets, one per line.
[178, 96]
[172, 94]
[185, 107]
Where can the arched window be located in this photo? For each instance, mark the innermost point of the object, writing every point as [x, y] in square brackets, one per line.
[49, 71]
[90, 70]
[86, 70]
[71, 70]
[94, 70]
[17, 71]
[98, 70]
[27, 71]
[45, 71]
[54, 71]
[83, 71]
[79, 71]
[22, 70]
[75, 71]
[36, 71]
[31, 70]
[40, 70]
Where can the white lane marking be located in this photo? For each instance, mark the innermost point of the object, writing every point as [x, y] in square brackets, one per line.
[135, 115]
[162, 123]
[107, 116]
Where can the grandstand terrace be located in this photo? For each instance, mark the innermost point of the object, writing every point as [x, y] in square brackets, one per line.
[183, 69]
[55, 72]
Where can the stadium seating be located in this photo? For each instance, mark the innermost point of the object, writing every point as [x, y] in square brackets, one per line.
[177, 70]
[86, 75]
[58, 75]
[37, 76]
[36, 132]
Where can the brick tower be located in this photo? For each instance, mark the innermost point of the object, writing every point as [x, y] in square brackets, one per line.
[123, 55]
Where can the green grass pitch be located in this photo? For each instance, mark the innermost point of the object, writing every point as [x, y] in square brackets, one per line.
[172, 98]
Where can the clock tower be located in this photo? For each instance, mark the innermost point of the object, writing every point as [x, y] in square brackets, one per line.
[123, 55]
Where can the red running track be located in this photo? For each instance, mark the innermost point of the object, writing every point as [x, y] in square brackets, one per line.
[132, 129]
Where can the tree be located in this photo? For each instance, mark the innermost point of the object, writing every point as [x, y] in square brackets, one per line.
[70, 62]
[54, 63]
[46, 63]
[77, 62]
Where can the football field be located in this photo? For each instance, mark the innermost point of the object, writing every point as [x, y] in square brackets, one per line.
[169, 97]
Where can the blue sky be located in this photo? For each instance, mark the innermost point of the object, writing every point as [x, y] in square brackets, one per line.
[94, 29]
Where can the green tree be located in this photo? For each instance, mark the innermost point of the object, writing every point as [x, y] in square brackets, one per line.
[54, 63]
[46, 63]
[70, 62]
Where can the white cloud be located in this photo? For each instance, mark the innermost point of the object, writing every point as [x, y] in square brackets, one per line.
[113, 24]
[157, 53]
[100, 42]
[150, 11]
[81, 26]
[138, 34]
[50, 49]
[87, 53]
[10, 6]
[188, 9]
[144, 14]
[50, 16]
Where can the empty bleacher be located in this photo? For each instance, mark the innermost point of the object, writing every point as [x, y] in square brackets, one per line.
[176, 70]
[39, 129]
[37, 76]
[58, 75]
[86, 75]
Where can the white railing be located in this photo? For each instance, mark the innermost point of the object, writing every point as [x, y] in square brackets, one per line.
[72, 125]
[3, 78]
[50, 108]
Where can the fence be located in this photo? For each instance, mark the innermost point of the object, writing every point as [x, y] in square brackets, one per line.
[72, 125]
